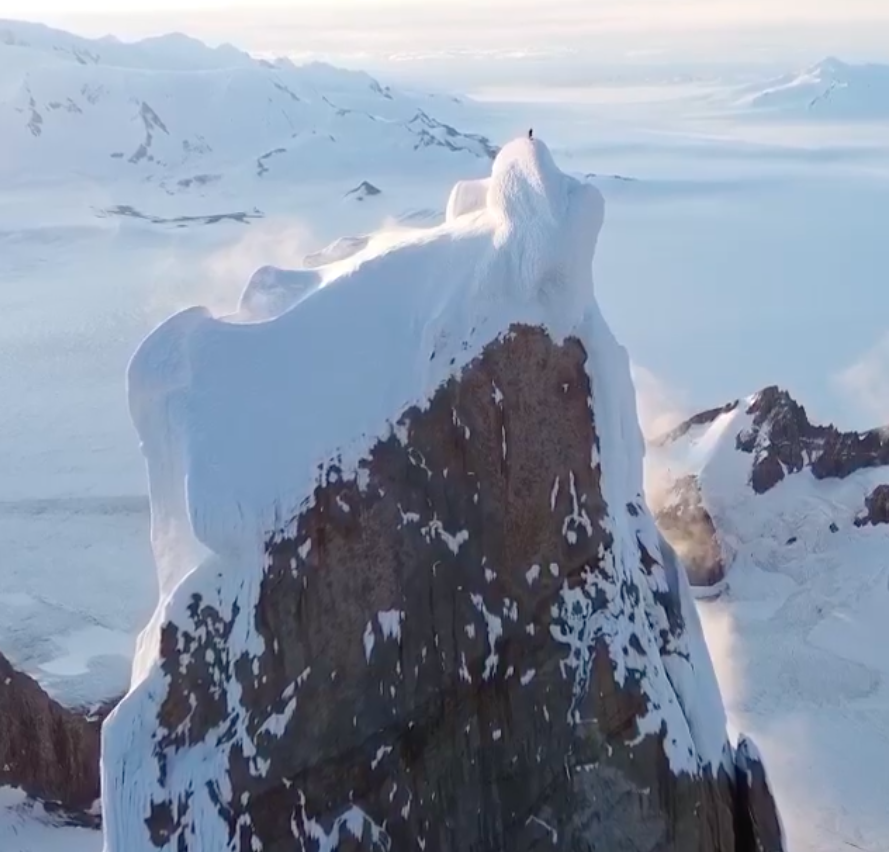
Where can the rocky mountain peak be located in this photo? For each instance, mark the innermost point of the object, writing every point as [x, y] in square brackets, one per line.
[437, 613]
[781, 439]
[775, 433]
[774, 401]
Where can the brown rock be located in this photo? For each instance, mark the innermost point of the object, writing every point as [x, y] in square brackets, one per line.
[49, 751]
[689, 527]
[453, 658]
[876, 508]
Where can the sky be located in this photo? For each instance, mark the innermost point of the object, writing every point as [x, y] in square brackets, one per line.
[401, 30]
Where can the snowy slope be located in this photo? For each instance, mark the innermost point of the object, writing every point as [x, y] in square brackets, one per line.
[475, 262]
[799, 631]
[830, 90]
[234, 421]
[186, 117]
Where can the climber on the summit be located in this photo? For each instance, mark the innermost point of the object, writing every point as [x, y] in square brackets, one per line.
[531, 133]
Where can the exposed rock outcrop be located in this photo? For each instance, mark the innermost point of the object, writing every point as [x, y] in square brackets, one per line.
[49, 751]
[758, 824]
[689, 527]
[876, 508]
[783, 441]
[365, 189]
[780, 439]
[455, 722]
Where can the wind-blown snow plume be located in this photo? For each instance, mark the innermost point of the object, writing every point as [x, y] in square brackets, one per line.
[660, 406]
[216, 278]
[866, 382]
[720, 630]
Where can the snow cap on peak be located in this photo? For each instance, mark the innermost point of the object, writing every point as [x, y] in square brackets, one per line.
[526, 161]
[830, 66]
[769, 399]
[547, 222]
[317, 364]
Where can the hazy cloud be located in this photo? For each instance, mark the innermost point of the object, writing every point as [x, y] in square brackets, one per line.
[378, 30]
[866, 382]
[216, 278]
[660, 406]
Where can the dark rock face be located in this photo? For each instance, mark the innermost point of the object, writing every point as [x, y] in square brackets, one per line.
[688, 526]
[48, 751]
[437, 671]
[783, 441]
[758, 825]
[844, 453]
[364, 190]
[876, 508]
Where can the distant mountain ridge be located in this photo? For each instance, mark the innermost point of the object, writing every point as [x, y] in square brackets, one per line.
[171, 52]
[830, 89]
[190, 118]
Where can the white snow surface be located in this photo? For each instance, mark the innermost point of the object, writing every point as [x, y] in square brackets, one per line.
[236, 412]
[218, 401]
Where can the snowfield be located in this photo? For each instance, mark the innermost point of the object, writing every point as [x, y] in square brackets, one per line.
[745, 245]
